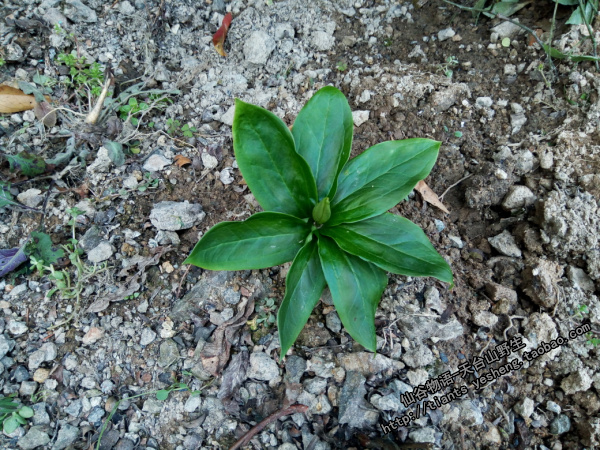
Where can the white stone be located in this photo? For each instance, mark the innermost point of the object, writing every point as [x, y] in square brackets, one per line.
[227, 117]
[100, 253]
[258, 47]
[209, 161]
[360, 117]
[446, 33]
[322, 41]
[518, 197]
[156, 163]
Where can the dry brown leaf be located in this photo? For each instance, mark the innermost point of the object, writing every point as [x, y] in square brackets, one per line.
[429, 196]
[215, 354]
[15, 100]
[221, 34]
[181, 160]
[44, 112]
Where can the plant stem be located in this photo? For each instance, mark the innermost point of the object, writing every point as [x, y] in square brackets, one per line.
[590, 31]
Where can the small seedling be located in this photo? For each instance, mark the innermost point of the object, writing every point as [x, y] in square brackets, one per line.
[265, 314]
[342, 66]
[85, 77]
[326, 214]
[2, 61]
[174, 128]
[446, 68]
[12, 414]
[131, 109]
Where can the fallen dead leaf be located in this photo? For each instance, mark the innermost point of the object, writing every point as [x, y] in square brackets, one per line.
[221, 34]
[429, 196]
[181, 160]
[15, 100]
[44, 112]
[215, 354]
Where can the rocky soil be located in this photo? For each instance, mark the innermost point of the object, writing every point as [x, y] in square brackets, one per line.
[519, 168]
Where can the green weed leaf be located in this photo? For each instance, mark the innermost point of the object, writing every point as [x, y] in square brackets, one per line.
[26, 163]
[162, 395]
[6, 197]
[381, 177]
[115, 152]
[394, 244]
[42, 248]
[266, 239]
[304, 284]
[26, 412]
[356, 287]
[323, 136]
[10, 424]
[279, 178]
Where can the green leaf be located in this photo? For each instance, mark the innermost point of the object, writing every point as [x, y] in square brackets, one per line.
[162, 395]
[394, 244]
[356, 287]
[379, 178]
[279, 178]
[323, 136]
[6, 197]
[264, 240]
[115, 152]
[26, 412]
[42, 248]
[29, 88]
[304, 284]
[567, 2]
[29, 165]
[508, 8]
[580, 17]
[10, 425]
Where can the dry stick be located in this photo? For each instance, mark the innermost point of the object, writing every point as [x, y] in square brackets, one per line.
[297, 408]
[92, 117]
[455, 184]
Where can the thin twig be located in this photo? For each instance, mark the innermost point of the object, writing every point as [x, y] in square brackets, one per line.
[455, 184]
[297, 408]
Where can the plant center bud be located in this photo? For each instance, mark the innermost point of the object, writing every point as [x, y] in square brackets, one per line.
[322, 211]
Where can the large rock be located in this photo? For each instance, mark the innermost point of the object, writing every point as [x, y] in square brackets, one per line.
[173, 216]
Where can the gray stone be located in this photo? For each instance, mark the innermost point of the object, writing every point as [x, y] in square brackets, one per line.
[13, 52]
[156, 163]
[560, 424]
[524, 408]
[485, 319]
[577, 381]
[54, 17]
[505, 244]
[101, 252]
[443, 99]
[294, 368]
[578, 278]
[423, 435]
[147, 337]
[34, 438]
[518, 197]
[209, 161]
[484, 102]
[445, 34]
[419, 328]
[40, 415]
[353, 408]
[126, 8]
[36, 359]
[66, 436]
[192, 403]
[6, 345]
[418, 356]
[456, 242]
[31, 197]
[124, 444]
[50, 351]
[168, 353]
[262, 367]
[91, 238]
[540, 282]
[167, 237]
[315, 385]
[102, 162]
[74, 409]
[28, 388]
[517, 119]
[506, 29]
[553, 407]
[79, 13]
[258, 47]
[333, 322]
[360, 117]
[368, 363]
[210, 286]
[173, 216]
[215, 414]
[95, 415]
[232, 297]
[153, 405]
[227, 119]
[389, 402]
[432, 300]
[16, 328]
[322, 41]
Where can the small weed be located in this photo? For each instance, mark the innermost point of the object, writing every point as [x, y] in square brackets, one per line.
[86, 78]
[2, 62]
[174, 128]
[12, 414]
[446, 68]
[342, 66]
[132, 296]
[265, 310]
[148, 183]
[582, 311]
[131, 109]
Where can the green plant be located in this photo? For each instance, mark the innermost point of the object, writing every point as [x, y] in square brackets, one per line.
[265, 314]
[85, 77]
[131, 109]
[325, 213]
[174, 127]
[451, 62]
[2, 61]
[12, 414]
[342, 66]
